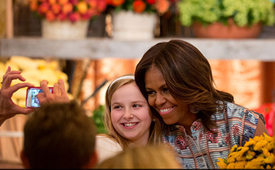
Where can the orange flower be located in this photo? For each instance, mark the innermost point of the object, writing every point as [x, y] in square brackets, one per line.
[162, 6]
[82, 7]
[139, 6]
[50, 16]
[52, 2]
[33, 5]
[92, 3]
[56, 8]
[67, 8]
[62, 2]
[117, 2]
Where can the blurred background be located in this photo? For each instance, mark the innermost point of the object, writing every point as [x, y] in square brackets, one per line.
[88, 43]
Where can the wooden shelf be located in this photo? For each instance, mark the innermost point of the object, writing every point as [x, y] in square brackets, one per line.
[98, 48]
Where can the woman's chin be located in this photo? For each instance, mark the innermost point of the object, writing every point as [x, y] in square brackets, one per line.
[169, 121]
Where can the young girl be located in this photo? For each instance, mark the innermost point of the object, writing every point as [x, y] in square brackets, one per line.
[128, 119]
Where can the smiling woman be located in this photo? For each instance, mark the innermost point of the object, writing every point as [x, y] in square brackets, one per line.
[201, 122]
[128, 119]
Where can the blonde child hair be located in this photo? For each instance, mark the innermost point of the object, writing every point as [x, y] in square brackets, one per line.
[155, 128]
[143, 157]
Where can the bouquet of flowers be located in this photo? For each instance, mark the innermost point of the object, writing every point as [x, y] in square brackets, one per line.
[72, 10]
[257, 153]
[140, 6]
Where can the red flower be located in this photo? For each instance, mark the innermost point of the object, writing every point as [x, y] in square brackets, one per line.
[150, 2]
[101, 5]
[117, 2]
[139, 6]
[109, 2]
[43, 8]
[74, 17]
[61, 17]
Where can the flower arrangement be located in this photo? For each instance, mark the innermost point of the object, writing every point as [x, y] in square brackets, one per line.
[72, 10]
[141, 6]
[243, 12]
[257, 153]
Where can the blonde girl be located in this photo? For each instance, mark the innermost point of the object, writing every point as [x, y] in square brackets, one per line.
[128, 119]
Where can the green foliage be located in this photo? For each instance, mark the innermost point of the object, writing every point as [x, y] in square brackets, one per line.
[98, 118]
[243, 12]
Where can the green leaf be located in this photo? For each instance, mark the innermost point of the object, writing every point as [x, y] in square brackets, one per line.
[98, 119]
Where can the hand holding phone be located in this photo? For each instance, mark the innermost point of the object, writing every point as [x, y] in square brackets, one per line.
[57, 95]
[31, 96]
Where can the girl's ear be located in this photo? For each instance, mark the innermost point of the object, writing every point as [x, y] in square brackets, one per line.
[25, 160]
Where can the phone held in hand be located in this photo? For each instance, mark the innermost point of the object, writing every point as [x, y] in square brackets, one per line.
[31, 96]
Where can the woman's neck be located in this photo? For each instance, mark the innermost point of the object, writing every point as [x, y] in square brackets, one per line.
[187, 122]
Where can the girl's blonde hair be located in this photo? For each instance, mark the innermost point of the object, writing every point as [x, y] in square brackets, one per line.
[155, 128]
[143, 157]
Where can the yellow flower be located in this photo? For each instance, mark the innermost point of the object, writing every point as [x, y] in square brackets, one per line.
[234, 148]
[249, 157]
[240, 165]
[270, 159]
[231, 160]
[268, 138]
[258, 161]
[243, 150]
[268, 167]
[270, 146]
[249, 165]
[266, 152]
[250, 142]
[231, 166]
[240, 158]
[221, 163]
[251, 153]
[232, 157]
[258, 138]
[260, 144]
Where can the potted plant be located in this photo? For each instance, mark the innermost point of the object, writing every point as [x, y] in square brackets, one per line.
[245, 17]
[66, 19]
[136, 19]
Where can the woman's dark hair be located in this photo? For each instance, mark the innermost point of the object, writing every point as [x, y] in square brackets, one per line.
[187, 74]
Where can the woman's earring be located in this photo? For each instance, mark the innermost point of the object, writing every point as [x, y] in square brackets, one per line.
[194, 110]
[154, 120]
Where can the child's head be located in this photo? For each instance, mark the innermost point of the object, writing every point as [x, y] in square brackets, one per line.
[127, 114]
[143, 157]
[59, 135]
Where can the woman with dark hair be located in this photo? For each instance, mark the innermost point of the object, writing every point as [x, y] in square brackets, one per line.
[201, 122]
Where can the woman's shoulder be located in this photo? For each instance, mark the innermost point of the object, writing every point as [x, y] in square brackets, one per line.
[235, 110]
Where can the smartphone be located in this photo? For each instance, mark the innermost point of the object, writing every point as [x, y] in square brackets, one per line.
[31, 99]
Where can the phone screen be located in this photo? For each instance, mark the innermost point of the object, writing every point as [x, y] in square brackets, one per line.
[31, 96]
